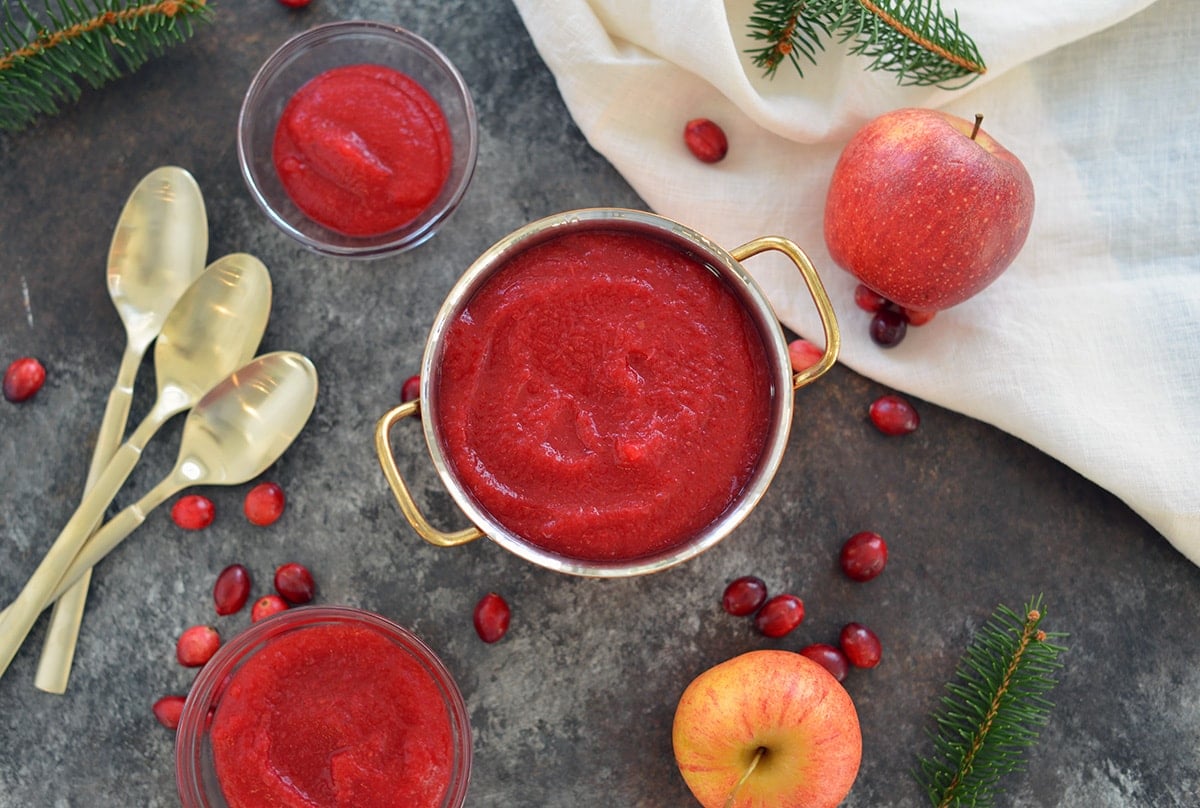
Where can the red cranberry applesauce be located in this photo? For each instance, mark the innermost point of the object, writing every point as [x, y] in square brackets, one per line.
[362, 149]
[604, 395]
[334, 715]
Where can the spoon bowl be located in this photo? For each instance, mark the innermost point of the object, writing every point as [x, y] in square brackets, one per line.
[157, 249]
[247, 421]
[233, 434]
[214, 329]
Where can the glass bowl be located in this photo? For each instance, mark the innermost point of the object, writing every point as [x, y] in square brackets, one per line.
[195, 760]
[340, 44]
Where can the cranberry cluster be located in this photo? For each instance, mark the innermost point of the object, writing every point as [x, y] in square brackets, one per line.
[294, 585]
[263, 506]
[889, 321]
[863, 557]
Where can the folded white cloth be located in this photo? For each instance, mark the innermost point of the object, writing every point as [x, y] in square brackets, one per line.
[1088, 347]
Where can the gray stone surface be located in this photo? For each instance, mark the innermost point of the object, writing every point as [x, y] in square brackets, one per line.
[574, 707]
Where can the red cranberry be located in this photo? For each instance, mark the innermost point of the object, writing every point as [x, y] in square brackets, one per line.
[888, 327]
[193, 512]
[491, 617]
[295, 3]
[864, 555]
[829, 658]
[744, 595]
[197, 645]
[294, 583]
[705, 140]
[266, 606]
[779, 615]
[893, 415]
[232, 589]
[168, 709]
[411, 389]
[860, 645]
[868, 299]
[803, 354]
[264, 504]
[918, 318]
[24, 377]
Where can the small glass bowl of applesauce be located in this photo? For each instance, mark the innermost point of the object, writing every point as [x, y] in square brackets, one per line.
[358, 139]
[335, 704]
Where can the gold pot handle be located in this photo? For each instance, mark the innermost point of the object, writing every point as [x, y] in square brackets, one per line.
[387, 459]
[833, 337]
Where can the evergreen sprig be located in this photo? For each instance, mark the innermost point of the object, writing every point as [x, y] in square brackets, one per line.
[47, 59]
[912, 38]
[993, 708]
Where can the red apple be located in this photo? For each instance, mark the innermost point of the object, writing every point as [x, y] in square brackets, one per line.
[767, 728]
[926, 209]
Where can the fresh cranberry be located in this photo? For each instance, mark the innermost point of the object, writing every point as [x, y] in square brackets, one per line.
[193, 512]
[829, 658]
[744, 595]
[803, 354]
[779, 615]
[706, 140]
[918, 318]
[197, 645]
[888, 327]
[168, 709]
[232, 589]
[860, 645]
[264, 504]
[295, 583]
[491, 617]
[411, 389]
[24, 377]
[295, 3]
[868, 299]
[266, 606]
[864, 555]
[893, 415]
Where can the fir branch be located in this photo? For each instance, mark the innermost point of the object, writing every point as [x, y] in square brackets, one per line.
[912, 38]
[44, 65]
[790, 28]
[993, 708]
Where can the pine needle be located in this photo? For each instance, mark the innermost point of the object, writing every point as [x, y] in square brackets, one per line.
[912, 38]
[46, 60]
[992, 709]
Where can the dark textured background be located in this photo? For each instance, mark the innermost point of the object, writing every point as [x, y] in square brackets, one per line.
[574, 707]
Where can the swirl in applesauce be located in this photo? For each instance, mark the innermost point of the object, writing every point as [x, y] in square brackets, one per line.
[604, 396]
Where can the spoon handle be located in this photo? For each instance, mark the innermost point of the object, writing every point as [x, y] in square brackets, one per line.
[115, 531]
[58, 649]
[19, 617]
[35, 596]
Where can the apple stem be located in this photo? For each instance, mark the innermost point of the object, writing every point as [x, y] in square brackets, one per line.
[762, 750]
[978, 123]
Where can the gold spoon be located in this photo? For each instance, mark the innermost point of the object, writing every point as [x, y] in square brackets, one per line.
[232, 435]
[157, 250]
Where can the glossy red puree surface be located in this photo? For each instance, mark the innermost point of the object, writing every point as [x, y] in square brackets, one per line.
[362, 149]
[332, 715]
[604, 396]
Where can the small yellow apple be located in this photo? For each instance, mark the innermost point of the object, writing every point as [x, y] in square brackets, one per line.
[767, 729]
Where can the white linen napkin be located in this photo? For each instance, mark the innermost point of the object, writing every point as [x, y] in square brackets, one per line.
[1088, 347]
